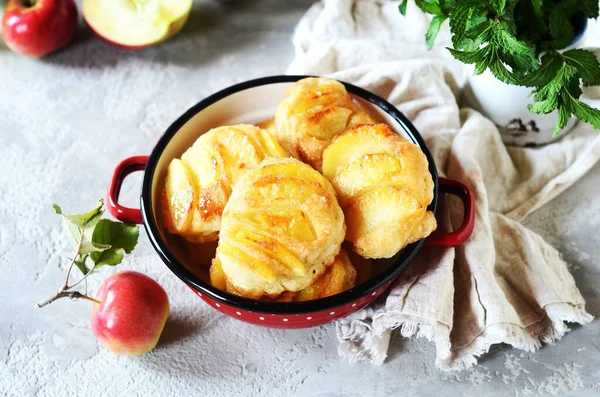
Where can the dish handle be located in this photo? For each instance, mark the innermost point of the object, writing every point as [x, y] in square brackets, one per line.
[124, 168]
[462, 234]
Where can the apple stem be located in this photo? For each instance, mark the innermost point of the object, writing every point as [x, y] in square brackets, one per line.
[64, 292]
[67, 294]
[83, 278]
[65, 285]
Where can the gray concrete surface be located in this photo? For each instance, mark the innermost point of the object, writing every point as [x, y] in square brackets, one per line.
[67, 120]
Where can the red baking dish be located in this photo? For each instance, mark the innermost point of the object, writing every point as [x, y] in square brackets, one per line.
[251, 102]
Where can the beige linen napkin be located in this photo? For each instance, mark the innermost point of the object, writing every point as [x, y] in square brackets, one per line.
[506, 284]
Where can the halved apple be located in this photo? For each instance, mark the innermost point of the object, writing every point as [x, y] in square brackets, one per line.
[136, 24]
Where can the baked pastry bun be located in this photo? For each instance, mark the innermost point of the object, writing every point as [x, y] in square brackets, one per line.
[198, 185]
[312, 113]
[384, 187]
[339, 277]
[281, 228]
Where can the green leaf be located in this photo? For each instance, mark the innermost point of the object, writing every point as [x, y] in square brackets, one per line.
[545, 74]
[110, 257]
[89, 247]
[563, 118]
[480, 33]
[117, 234]
[586, 63]
[121, 237]
[544, 107]
[80, 220]
[460, 17]
[583, 111]
[429, 6]
[434, 29]
[76, 224]
[591, 8]
[402, 7]
[536, 7]
[80, 263]
[502, 73]
[516, 53]
[561, 28]
[470, 56]
[498, 6]
[480, 67]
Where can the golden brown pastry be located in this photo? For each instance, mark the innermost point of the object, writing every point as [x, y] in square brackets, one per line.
[383, 185]
[339, 277]
[281, 228]
[198, 185]
[312, 113]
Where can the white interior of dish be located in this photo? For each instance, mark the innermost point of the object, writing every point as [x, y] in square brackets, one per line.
[251, 106]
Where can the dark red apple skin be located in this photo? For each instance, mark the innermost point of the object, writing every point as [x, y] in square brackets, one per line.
[132, 313]
[40, 29]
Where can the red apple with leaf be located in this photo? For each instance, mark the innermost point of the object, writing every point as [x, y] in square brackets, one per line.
[35, 28]
[130, 308]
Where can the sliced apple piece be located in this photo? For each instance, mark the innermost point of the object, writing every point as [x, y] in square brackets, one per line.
[180, 196]
[135, 24]
[273, 249]
[324, 123]
[217, 277]
[365, 173]
[234, 255]
[203, 164]
[354, 143]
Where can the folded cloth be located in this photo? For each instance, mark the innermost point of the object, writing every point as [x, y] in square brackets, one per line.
[506, 284]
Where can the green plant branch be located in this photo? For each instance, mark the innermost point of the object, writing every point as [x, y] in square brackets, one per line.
[506, 37]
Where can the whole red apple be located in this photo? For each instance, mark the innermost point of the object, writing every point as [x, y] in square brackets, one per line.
[35, 28]
[132, 313]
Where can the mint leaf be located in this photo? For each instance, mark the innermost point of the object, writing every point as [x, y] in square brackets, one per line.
[501, 73]
[536, 7]
[563, 118]
[544, 107]
[470, 56]
[498, 6]
[586, 63]
[583, 111]
[460, 17]
[561, 28]
[429, 6]
[121, 238]
[434, 29]
[480, 67]
[558, 83]
[516, 53]
[402, 7]
[590, 8]
[480, 33]
[545, 74]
